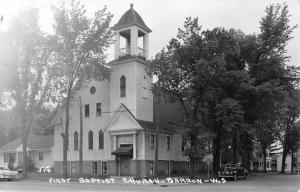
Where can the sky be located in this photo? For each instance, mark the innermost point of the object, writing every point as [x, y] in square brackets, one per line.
[164, 17]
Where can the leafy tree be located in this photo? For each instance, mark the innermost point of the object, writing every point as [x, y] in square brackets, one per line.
[273, 77]
[229, 84]
[175, 67]
[80, 44]
[203, 70]
[25, 58]
[289, 126]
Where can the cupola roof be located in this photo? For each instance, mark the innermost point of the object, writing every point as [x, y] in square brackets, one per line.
[129, 18]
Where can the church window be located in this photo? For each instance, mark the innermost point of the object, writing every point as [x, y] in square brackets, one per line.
[151, 168]
[101, 139]
[168, 142]
[182, 143]
[76, 141]
[41, 156]
[6, 157]
[73, 167]
[151, 141]
[98, 109]
[93, 90]
[123, 86]
[104, 167]
[87, 110]
[90, 139]
[95, 167]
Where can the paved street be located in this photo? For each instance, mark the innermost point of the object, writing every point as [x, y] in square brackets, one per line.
[280, 183]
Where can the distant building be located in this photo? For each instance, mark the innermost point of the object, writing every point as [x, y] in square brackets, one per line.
[118, 116]
[288, 163]
[39, 149]
[292, 161]
[257, 161]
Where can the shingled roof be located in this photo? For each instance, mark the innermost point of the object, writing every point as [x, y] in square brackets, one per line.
[34, 142]
[129, 18]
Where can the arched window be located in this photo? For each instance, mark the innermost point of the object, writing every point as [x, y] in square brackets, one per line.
[123, 86]
[90, 139]
[75, 141]
[101, 139]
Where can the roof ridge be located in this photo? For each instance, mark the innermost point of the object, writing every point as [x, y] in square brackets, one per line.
[128, 110]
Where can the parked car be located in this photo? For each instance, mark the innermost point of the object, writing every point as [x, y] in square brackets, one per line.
[233, 171]
[5, 173]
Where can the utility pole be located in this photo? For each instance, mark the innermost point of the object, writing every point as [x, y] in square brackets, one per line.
[156, 128]
[80, 136]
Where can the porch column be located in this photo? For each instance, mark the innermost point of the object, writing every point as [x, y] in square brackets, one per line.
[144, 145]
[134, 40]
[115, 142]
[117, 45]
[134, 146]
[17, 158]
[146, 45]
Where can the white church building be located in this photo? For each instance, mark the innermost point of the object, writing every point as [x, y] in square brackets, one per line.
[118, 128]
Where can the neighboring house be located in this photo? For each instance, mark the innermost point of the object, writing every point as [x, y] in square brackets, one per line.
[39, 149]
[277, 159]
[118, 118]
[288, 163]
[298, 157]
[257, 161]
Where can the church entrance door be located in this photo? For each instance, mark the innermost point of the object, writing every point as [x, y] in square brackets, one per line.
[125, 165]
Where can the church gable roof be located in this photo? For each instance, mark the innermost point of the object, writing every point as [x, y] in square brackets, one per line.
[123, 120]
[129, 18]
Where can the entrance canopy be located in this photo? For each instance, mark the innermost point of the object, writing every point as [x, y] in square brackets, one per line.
[123, 151]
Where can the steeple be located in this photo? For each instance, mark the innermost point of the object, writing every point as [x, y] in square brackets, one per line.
[131, 35]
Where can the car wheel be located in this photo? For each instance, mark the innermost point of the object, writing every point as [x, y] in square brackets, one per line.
[234, 177]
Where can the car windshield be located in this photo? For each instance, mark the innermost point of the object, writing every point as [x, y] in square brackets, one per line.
[229, 169]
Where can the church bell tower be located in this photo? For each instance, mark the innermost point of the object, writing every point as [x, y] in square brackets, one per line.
[130, 84]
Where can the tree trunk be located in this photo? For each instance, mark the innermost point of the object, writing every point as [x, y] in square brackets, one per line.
[157, 132]
[81, 137]
[25, 131]
[24, 149]
[246, 150]
[265, 158]
[234, 149]
[284, 154]
[292, 160]
[66, 139]
[216, 161]
[192, 167]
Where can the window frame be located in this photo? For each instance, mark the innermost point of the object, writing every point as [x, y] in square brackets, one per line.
[41, 156]
[183, 143]
[6, 157]
[123, 86]
[101, 139]
[94, 167]
[76, 141]
[152, 141]
[168, 142]
[151, 168]
[73, 167]
[86, 110]
[90, 140]
[104, 165]
[98, 109]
